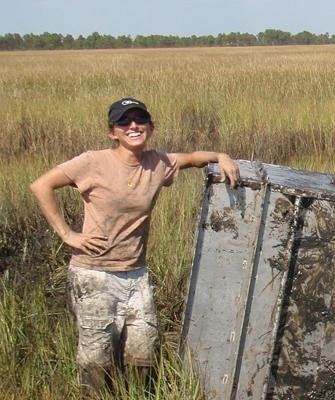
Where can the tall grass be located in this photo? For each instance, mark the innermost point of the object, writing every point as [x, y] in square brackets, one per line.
[271, 104]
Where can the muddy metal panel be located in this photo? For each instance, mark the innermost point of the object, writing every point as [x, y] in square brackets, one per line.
[259, 318]
[306, 344]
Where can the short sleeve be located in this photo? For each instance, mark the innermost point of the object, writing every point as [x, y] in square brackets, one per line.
[171, 168]
[80, 170]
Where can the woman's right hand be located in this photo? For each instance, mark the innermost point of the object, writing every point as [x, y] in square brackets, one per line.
[89, 244]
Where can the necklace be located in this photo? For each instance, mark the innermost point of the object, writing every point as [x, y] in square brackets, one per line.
[133, 178]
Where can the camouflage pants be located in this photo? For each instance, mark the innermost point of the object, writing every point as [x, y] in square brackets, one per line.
[116, 320]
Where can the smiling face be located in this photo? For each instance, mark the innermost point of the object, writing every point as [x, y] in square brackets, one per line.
[133, 130]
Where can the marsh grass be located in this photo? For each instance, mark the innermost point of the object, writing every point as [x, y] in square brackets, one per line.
[270, 104]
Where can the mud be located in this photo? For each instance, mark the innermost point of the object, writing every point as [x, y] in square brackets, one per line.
[304, 367]
[224, 220]
[282, 216]
[283, 211]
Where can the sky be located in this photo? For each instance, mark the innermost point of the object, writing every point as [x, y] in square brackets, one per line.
[166, 17]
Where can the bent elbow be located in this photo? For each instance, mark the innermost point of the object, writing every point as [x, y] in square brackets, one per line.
[38, 186]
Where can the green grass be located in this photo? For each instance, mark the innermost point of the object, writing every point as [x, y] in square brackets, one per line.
[271, 104]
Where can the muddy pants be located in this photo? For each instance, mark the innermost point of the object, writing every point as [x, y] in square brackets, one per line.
[116, 321]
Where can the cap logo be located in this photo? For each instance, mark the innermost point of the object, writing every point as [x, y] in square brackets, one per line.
[127, 102]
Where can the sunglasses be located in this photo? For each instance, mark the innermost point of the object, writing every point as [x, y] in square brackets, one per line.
[138, 119]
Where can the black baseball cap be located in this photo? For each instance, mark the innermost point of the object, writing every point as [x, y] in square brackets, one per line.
[117, 109]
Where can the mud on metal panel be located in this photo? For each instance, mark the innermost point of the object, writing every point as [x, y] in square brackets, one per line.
[259, 318]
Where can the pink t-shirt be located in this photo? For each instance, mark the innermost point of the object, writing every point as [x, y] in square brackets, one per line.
[118, 200]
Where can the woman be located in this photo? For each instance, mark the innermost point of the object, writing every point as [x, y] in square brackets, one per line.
[110, 290]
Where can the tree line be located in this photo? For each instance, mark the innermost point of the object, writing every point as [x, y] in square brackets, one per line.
[54, 41]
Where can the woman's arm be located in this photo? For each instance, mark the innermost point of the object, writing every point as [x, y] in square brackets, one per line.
[199, 159]
[44, 190]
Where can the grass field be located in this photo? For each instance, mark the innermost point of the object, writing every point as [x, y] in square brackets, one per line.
[274, 104]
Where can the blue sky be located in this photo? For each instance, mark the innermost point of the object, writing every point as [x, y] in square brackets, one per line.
[175, 17]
